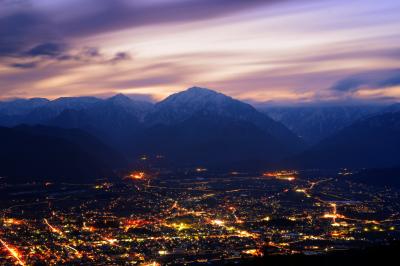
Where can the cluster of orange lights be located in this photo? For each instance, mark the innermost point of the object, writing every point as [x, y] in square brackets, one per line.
[154, 263]
[89, 228]
[337, 234]
[12, 221]
[254, 252]
[282, 175]
[134, 223]
[137, 175]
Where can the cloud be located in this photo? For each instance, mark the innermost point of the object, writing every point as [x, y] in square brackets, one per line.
[19, 31]
[47, 53]
[44, 28]
[375, 79]
[26, 24]
[24, 65]
[91, 52]
[121, 14]
[348, 84]
[245, 48]
[47, 49]
[120, 56]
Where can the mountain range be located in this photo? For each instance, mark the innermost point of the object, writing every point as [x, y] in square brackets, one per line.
[201, 127]
[315, 123]
[207, 127]
[194, 127]
[371, 142]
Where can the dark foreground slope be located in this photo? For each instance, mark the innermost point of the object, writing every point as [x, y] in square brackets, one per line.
[44, 154]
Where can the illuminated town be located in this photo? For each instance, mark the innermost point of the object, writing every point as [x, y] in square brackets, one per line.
[192, 216]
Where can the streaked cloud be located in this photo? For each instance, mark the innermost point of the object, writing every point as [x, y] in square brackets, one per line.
[371, 79]
[255, 50]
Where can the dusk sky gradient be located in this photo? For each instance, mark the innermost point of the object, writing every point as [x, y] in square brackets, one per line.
[254, 50]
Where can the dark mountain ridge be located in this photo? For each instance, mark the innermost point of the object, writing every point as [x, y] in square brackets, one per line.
[315, 123]
[39, 153]
[203, 102]
[194, 126]
[372, 142]
[205, 127]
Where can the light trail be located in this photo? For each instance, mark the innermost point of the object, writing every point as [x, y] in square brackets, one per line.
[53, 229]
[13, 252]
[77, 253]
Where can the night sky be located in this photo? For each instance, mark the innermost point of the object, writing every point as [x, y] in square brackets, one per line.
[255, 50]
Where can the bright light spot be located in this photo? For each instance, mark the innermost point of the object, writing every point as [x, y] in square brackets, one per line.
[179, 226]
[163, 252]
[111, 241]
[253, 252]
[266, 219]
[218, 222]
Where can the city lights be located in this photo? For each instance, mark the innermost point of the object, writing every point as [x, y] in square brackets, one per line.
[13, 252]
[173, 220]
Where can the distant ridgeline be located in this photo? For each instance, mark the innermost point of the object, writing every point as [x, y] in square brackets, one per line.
[196, 127]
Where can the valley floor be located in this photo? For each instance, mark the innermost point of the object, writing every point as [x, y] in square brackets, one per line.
[197, 217]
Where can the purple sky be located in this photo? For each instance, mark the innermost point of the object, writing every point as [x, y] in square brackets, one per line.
[256, 50]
